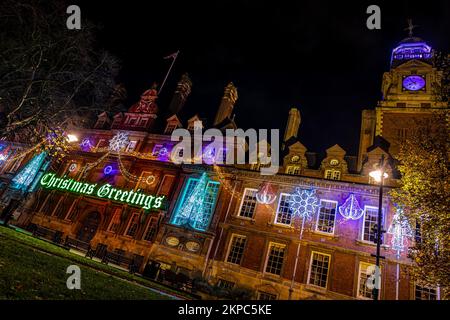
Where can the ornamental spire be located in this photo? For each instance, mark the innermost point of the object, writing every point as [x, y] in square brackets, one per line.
[410, 28]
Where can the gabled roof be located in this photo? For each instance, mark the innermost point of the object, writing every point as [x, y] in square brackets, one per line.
[336, 149]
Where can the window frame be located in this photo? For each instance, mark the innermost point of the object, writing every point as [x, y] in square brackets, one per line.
[116, 209]
[242, 203]
[438, 292]
[358, 296]
[181, 200]
[230, 244]
[363, 224]
[310, 269]
[275, 222]
[135, 213]
[334, 220]
[269, 249]
[151, 221]
[259, 293]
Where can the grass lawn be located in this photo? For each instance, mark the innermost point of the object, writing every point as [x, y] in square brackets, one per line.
[26, 272]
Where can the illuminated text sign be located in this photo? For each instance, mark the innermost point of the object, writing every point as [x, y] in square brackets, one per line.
[137, 198]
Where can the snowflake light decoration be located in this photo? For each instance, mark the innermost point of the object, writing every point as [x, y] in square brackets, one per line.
[399, 229]
[118, 142]
[351, 209]
[303, 202]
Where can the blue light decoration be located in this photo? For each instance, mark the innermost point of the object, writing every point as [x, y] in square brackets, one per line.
[400, 229]
[107, 170]
[412, 48]
[35, 167]
[303, 203]
[351, 209]
[197, 203]
[163, 152]
[86, 144]
[265, 194]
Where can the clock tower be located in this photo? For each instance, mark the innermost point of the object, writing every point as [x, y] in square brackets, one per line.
[409, 94]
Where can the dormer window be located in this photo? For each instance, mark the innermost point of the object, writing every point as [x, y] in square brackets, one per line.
[332, 174]
[295, 170]
[170, 128]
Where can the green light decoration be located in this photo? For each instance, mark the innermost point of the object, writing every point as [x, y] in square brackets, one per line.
[135, 198]
[197, 203]
[27, 175]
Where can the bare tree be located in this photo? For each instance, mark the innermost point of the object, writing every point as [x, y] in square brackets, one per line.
[50, 76]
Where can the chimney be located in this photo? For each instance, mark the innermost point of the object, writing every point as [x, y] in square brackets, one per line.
[227, 104]
[293, 124]
[181, 93]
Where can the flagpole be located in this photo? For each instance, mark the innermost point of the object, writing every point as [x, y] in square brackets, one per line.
[167, 74]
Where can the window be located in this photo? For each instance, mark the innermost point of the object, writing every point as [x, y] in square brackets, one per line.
[223, 155]
[101, 143]
[266, 296]
[166, 185]
[151, 229]
[248, 203]
[15, 164]
[143, 122]
[293, 170]
[156, 149]
[202, 219]
[326, 217]
[133, 226]
[363, 291]
[370, 224]
[284, 212]
[332, 174]
[225, 284]
[170, 128]
[131, 146]
[147, 181]
[236, 250]
[418, 233]
[425, 293]
[115, 221]
[275, 258]
[318, 271]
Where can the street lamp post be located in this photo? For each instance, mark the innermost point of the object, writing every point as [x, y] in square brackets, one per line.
[379, 176]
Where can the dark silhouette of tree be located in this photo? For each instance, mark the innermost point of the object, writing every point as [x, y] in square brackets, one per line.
[50, 76]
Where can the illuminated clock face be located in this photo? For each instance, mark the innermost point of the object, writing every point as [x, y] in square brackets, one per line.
[413, 83]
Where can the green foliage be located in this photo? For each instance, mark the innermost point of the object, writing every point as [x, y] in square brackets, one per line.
[424, 193]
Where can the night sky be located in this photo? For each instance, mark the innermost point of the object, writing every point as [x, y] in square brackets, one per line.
[315, 55]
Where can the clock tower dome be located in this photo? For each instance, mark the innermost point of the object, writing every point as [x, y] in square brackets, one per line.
[409, 94]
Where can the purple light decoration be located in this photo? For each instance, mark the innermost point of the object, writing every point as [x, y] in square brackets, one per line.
[86, 144]
[163, 154]
[107, 170]
[411, 50]
[351, 209]
[209, 155]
